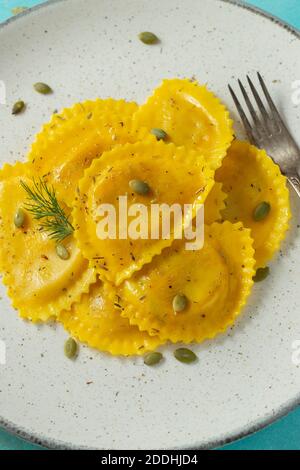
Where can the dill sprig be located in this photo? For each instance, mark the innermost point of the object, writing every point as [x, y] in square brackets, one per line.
[43, 204]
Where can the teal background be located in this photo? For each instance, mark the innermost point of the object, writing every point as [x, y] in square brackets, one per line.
[285, 433]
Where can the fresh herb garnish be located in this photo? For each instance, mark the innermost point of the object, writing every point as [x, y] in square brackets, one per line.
[43, 204]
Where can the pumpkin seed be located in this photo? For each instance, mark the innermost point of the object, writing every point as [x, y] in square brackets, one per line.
[160, 134]
[139, 187]
[42, 88]
[261, 274]
[185, 355]
[261, 211]
[62, 252]
[153, 358]
[19, 218]
[148, 38]
[180, 302]
[18, 107]
[70, 348]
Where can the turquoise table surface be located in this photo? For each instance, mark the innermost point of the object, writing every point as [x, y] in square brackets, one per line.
[285, 433]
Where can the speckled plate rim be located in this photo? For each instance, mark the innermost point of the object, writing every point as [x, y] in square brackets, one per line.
[44, 441]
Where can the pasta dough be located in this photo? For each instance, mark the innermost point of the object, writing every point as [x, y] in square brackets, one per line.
[39, 283]
[216, 280]
[250, 177]
[174, 176]
[96, 320]
[191, 116]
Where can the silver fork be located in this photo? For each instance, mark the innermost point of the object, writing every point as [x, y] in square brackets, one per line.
[268, 131]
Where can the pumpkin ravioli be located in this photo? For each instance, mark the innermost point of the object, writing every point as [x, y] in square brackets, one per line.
[216, 280]
[96, 320]
[39, 283]
[173, 174]
[214, 204]
[249, 178]
[85, 110]
[89, 107]
[191, 116]
[68, 144]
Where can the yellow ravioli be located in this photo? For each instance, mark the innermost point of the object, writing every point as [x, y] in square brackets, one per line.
[214, 204]
[250, 177]
[191, 116]
[39, 283]
[96, 320]
[86, 110]
[98, 106]
[216, 281]
[174, 175]
[69, 143]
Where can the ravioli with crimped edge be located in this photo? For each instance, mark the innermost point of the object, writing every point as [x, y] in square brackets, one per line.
[39, 283]
[191, 116]
[96, 321]
[83, 112]
[67, 145]
[252, 180]
[216, 281]
[172, 174]
[88, 108]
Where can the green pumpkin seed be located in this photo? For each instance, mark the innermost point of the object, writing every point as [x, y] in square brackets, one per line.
[19, 218]
[261, 211]
[148, 38]
[42, 88]
[70, 348]
[153, 358]
[139, 187]
[261, 274]
[62, 252]
[160, 134]
[185, 355]
[180, 303]
[18, 107]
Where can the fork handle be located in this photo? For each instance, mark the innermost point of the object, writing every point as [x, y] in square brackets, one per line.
[295, 182]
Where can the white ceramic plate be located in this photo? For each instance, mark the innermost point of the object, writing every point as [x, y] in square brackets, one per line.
[244, 379]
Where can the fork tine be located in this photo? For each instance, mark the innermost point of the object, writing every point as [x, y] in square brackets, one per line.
[273, 108]
[258, 100]
[248, 103]
[243, 116]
